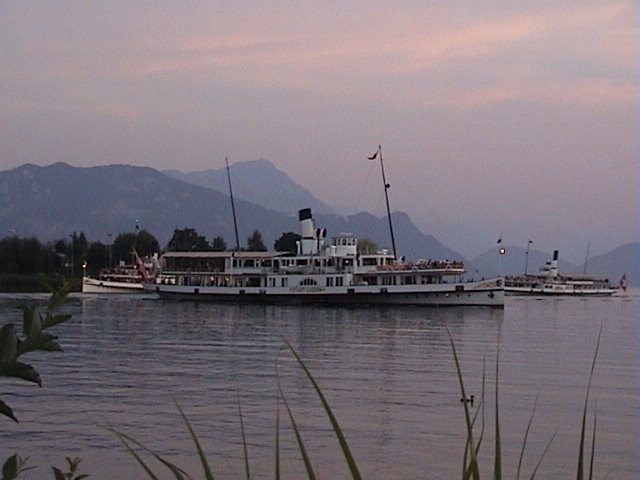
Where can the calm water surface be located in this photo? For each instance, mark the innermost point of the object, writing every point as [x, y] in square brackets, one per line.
[388, 374]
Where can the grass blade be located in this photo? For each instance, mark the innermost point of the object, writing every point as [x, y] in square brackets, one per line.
[497, 467]
[479, 412]
[353, 468]
[178, 473]
[296, 431]
[580, 474]
[546, 449]
[593, 443]
[244, 442]
[137, 457]
[277, 460]
[526, 436]
[472, 470]
[203, 461]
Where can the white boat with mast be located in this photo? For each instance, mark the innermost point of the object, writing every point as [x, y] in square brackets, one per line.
[551, 282]
[320, 273]
[124, 278]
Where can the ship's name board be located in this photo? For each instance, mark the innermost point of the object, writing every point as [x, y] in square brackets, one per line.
[307, 289]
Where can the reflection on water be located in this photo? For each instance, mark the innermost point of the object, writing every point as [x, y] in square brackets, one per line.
[387, 373]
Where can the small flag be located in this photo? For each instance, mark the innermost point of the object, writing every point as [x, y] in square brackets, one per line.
[374, 156]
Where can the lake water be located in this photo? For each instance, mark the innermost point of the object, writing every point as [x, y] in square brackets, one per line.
[388, 374]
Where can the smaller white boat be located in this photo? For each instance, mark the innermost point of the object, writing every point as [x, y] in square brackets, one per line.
[122, 279]
[551, 282]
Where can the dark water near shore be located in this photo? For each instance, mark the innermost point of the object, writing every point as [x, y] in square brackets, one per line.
[388, 374]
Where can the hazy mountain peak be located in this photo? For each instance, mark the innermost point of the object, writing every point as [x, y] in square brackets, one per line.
[256, 181]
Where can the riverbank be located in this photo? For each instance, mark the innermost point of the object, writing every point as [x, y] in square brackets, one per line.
[16, 283]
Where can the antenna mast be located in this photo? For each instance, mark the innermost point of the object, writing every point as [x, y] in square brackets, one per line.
[233, 208]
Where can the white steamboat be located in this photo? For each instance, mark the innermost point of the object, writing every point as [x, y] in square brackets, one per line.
[551, 282]
[320, 274]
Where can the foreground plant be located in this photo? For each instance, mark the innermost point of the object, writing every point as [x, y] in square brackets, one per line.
[12, 346]
[35, 337]
[72, 474]
[471, 468]
[14, 466]
[131, 444]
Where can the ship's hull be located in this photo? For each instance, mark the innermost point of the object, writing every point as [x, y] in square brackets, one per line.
[96, 285]
[488, 293]
[560, 290]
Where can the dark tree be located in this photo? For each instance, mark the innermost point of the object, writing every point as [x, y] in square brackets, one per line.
[75, 252]
[80, 244]
[287, 242]
[22, 255]
[97, 258]
[146, 244]
[218, 244]
[255, 243]
[186, 240]
[142, 241]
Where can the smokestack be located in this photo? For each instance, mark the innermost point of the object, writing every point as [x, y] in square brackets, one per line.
[307, 228]
[309, 245]
[554, 264]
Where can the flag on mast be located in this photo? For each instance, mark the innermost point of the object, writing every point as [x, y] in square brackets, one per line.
[374, 156]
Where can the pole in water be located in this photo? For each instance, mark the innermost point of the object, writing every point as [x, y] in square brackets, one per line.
[233, 208]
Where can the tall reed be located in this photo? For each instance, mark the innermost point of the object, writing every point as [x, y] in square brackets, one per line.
[471, 465]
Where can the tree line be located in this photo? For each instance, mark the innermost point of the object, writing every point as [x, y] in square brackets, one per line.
[72, 255]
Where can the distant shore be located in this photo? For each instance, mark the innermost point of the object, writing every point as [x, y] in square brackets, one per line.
[16, 283]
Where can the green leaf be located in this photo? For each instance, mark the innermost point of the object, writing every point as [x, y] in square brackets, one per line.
[53, 320]
[7, 411]
[43, 341]
[34, 327]
[8, 344]
[58, 474]
[29, 318]
[10, 468]
[20, 370]
[59, 297]
[51, 346]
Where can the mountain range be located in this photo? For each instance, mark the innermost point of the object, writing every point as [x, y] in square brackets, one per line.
[258, 182]
[52, 202]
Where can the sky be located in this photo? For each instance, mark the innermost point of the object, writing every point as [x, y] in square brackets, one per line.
[513, 119]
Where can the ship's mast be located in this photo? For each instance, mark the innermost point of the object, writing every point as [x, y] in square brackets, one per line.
[526, 258]
[386, 197]
[233, 208]
[586, 259]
